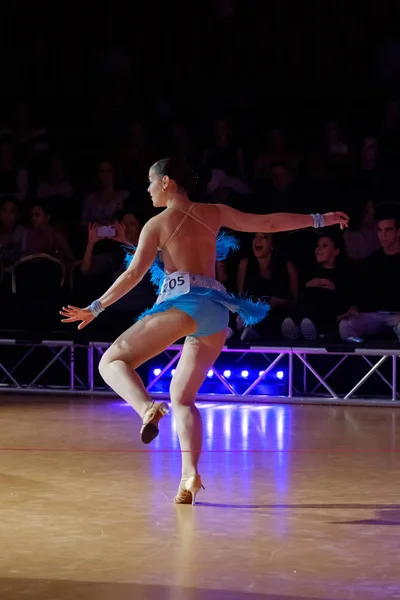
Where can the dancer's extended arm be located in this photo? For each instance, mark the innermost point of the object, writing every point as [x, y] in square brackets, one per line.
[140, 264]
[242, 221]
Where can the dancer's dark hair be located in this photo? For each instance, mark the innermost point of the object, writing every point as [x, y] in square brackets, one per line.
[176, 168]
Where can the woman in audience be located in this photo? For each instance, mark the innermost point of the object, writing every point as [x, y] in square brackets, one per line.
[44, 238]
[324, 293]
[225, 153]
[110, 261]
[12, 235]
[361, 239]
[56, 183]
[101, 205]
[275, 151]
[13, 178]
[266, 275]
[126, 228]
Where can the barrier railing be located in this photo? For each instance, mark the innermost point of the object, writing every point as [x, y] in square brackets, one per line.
[310, 374]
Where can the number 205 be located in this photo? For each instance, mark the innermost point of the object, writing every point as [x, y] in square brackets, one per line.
[172, 283]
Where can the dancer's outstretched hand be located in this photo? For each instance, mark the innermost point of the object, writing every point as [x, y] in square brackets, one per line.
[76, 314]
[336, 218]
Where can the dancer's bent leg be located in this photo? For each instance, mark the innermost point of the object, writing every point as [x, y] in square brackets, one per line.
[141, 342]
[199, 354]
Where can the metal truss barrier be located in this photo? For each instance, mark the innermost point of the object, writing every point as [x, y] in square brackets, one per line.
[313, 374]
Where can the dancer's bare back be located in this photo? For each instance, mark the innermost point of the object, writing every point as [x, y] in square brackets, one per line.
[193, 248]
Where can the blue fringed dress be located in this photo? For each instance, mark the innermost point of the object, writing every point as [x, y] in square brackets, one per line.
[206, 299]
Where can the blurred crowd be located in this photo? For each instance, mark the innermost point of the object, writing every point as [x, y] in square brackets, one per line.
[68, 211]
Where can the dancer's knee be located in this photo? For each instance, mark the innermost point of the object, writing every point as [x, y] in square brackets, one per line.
[103, 365]
[180, 397]
[106, 364]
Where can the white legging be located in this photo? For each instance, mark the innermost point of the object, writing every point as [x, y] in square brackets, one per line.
[370, 323]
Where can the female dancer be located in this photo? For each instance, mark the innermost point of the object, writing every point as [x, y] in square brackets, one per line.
[191, 304]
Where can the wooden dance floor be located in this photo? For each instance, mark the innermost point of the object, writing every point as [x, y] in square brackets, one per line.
[301, 502]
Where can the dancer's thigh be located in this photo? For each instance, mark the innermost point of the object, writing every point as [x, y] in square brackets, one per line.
[198, 355]
[149, 337]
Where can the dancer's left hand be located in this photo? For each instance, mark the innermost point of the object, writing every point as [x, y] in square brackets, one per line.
[76, 314]
[336, 218]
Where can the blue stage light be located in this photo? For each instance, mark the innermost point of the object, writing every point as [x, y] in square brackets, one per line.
[261, 373]
[244, 374]
[156, 372]
[280, 374]
[227, 373]
[173, 371]
[210, 373]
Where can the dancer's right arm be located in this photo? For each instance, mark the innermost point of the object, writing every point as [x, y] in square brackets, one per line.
[249, 223]
[141, 262]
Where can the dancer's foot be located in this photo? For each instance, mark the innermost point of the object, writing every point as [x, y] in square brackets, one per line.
[151, 418]
[188, 489]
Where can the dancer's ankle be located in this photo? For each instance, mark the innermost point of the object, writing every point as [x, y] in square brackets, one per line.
[190, 473]
[146, 408]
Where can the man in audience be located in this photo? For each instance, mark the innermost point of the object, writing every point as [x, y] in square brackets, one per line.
[378, 305]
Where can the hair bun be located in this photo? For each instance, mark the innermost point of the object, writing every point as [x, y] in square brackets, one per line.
[178, 169]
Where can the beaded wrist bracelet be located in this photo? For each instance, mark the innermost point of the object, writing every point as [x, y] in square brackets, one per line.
[96, 308]
[319, 220]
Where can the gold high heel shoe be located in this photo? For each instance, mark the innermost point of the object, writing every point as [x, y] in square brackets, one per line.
[188, 491]
[153, 415]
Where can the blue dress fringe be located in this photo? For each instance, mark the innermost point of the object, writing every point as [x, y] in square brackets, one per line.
[251, 311]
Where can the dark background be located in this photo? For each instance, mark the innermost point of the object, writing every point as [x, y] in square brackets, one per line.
[337, 57]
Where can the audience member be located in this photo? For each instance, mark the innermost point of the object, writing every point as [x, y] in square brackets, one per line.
[44, 238]
[267, 276]
[324, 293]
[13, 235]
[99, 206]
[377, 310]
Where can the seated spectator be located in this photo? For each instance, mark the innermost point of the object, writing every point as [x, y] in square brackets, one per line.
[276, 151]
[125, 228]
[324, 294]
[333, 161]
[361, 238]
[43, 237]
[221, 188]
[135, 155]
[56, 184]
[368, 171]
[13, 235]
[225, 153]
[101, 205]
[13, 178]
[109, 263]
[377, 309]
[32, 141]
[270, 277]
[282, 193]
[182, 144]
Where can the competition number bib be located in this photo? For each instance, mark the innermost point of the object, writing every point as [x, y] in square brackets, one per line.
[174, 285]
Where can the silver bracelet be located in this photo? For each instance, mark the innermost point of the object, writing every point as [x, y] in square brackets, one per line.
[319, 220]
[96, 308]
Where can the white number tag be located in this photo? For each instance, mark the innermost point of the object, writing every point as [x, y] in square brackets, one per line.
[174, 285]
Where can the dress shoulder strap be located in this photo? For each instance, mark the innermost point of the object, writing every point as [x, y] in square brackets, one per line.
[186, 214]
[200, 221]
[178, 227]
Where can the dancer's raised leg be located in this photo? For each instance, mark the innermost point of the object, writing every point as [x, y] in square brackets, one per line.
[144, 340]
[199, 354]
